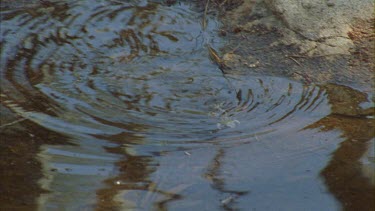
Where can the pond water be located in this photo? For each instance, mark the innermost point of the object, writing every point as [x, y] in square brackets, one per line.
[151, 123]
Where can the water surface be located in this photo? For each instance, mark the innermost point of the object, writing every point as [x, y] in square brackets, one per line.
[152, 122]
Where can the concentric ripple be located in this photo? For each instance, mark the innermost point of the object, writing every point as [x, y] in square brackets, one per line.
[118, 64]
[137, 73]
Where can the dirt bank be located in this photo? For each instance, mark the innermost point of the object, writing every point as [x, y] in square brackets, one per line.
[325, 42]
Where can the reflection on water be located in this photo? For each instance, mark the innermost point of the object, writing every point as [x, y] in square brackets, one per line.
[154, 124]
[19, 170]
[343, 173]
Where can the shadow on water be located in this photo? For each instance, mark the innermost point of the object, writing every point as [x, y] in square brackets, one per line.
[114, 105]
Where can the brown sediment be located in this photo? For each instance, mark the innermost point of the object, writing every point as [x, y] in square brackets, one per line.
[363, 54]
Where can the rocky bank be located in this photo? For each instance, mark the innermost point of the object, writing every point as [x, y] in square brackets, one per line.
[327, 41]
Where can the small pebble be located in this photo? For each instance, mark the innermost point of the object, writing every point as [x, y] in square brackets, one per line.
[330, 3]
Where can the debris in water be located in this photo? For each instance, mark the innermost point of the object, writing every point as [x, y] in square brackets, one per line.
[227, 200]
[226, 121]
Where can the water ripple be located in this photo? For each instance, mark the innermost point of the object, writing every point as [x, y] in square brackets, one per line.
[137, 74]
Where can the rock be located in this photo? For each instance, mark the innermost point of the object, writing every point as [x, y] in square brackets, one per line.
[327, 24]
[235, 61]
[330, 3]
[317, 27]
[231, 59]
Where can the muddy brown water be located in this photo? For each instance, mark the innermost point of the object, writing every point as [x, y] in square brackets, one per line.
[116, 105]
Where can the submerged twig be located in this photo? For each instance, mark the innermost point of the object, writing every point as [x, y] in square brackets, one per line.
[222, 3]
[315, 56]
[222, 66]
[12, 123]
[214, 56]
[293, 59]
[204, 22]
